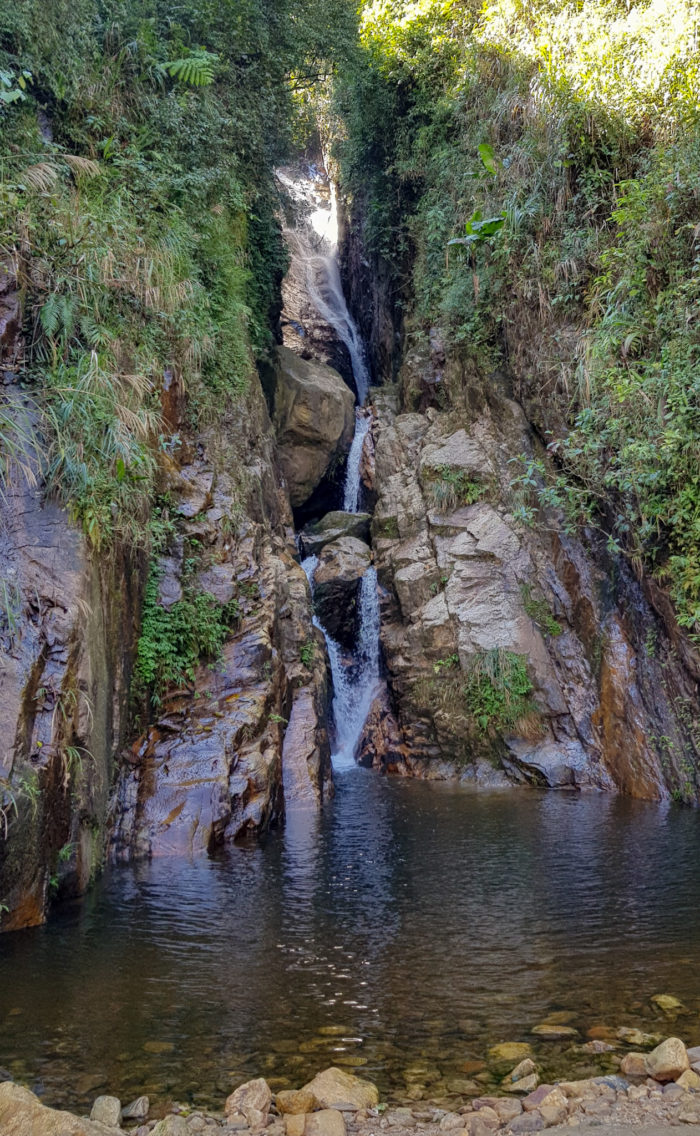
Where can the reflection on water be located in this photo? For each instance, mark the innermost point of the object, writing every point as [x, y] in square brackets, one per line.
[401, 933]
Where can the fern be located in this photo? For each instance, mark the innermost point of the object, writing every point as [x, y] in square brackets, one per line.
[196, 70]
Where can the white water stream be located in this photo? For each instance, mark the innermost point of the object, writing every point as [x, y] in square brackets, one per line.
[355, 679]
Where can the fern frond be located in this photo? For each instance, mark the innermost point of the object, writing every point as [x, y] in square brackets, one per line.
[196, 70]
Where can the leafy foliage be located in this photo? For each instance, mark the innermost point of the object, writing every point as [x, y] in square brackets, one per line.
[563, 141]
[138, 212]
[173, 640]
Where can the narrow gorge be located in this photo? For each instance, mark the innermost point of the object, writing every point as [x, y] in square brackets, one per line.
[350, 568]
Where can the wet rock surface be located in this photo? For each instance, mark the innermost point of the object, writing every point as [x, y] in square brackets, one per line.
[331, 527]
[67, 638]
[211, 767]
[341, 566]
[469, 589]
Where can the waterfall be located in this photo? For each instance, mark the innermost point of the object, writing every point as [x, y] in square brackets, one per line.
[314, 245]
[355, 684]
[351, 492]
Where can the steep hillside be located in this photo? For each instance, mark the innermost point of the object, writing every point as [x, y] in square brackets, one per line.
[523, 198]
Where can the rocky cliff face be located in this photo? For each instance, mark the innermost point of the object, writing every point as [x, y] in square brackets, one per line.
[511, 653]
[67, 631]
[211, 767]
[226, 753]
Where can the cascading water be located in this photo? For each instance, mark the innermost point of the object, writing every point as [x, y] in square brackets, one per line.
[351, 492]
[355, 684]
[355, 680]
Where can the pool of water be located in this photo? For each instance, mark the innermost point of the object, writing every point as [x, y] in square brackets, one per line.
[401, 934]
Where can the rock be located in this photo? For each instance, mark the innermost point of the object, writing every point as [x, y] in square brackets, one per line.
[638, 1037]
[451, 1120]
[667, 1004]
[634, 1065]
[524, 1085]
[294, 1123]
[341, 566]
[461, 1087]
[313, 419]
[476, 1125]
[552, 1107]
[472, 1066]
[23, 1114]
[694, 1054]
[673, 1092]
[506, 1109]
[637, 1092]
[523, 1069]
[107, 1110]
[576, 1090]
[253, 1100]
[527, 1122]
[668, 1060]
[689, 1080]
[334, 1086]
[508, 1052]
[295, 1101]
[171, 1126]
[534, 1099]
[596, 1047]
[334, 525]
[327, 1122]
[550, 1032]
[605, 1033]
[689, 1113]
[137, 1110]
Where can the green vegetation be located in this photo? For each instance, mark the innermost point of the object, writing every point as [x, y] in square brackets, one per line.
[173, 640]
[539, 612]
[530, 173]
[450, 487]
[498, 691]
[493, 694]
[307, 654]
[138, 216]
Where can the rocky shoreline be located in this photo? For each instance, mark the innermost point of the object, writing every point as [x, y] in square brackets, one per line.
[660, 1089]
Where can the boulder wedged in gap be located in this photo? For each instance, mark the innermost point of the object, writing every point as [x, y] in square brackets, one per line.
[314, 421]
[331, 527]
[341, 566]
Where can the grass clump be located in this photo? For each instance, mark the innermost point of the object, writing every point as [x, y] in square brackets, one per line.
[491, 696]
[449, 488]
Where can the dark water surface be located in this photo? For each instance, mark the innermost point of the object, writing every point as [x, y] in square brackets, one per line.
[404, 932]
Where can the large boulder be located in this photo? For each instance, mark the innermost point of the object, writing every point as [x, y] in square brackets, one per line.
[668, 1061]
[331, 527]
[341, 566]
[314, 421]
[335, 1087]
[23, 1114]
[251, 1100]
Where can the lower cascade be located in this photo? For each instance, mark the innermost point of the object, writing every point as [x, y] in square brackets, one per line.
[355, 681]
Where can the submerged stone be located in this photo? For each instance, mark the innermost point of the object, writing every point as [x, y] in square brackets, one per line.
[334, 1086]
